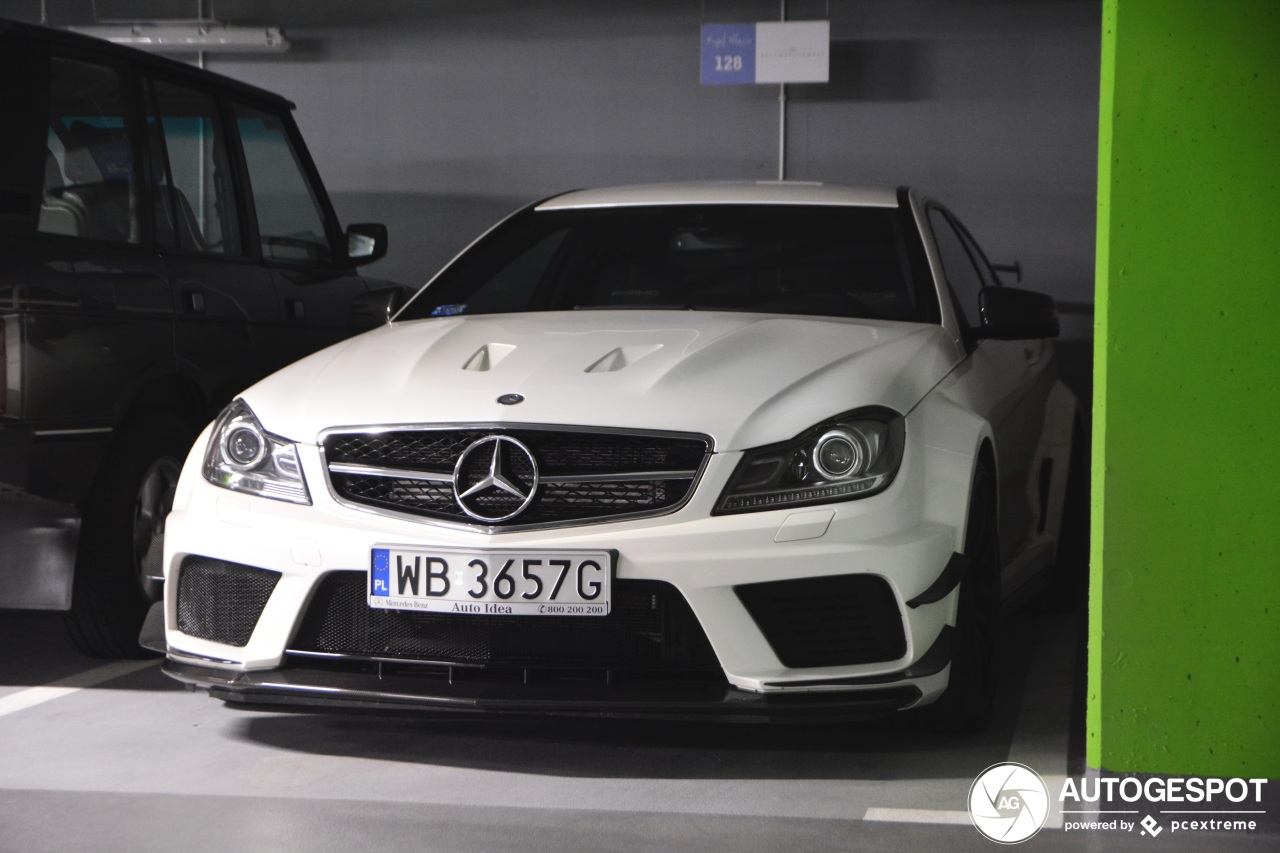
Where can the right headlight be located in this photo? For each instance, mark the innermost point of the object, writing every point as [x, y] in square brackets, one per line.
[244, 457]
[848, 457]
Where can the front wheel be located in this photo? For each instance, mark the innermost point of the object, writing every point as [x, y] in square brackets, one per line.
[966, 705]
[119, 568]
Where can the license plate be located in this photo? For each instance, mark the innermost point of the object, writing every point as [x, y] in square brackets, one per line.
[496, 582]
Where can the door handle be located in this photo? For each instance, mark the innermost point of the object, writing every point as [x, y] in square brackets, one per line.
[297, 309]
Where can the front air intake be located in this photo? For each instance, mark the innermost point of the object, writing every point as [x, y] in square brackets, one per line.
[650, 628]
[220, 601]
[839, 620]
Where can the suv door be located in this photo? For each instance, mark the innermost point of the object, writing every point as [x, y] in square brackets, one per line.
[98, 313]
[297, 233]
[227, 331]
[134, 301]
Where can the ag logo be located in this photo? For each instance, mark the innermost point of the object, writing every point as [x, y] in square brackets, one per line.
[1008, 803]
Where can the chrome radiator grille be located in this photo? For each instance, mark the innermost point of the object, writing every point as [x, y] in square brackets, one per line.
[514, 477]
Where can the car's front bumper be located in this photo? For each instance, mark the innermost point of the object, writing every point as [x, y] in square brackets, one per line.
[707, 559]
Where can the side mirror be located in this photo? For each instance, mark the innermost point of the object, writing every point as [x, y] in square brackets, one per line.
[366, 242]
[1010, 314]
[375, 308]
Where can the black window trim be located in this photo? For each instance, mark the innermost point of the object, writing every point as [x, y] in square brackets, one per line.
[981, 265]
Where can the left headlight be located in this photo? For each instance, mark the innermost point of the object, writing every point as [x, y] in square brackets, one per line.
[244, 457]
[851, 456]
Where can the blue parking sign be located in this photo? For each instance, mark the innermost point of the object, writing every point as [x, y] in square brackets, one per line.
[728, 54]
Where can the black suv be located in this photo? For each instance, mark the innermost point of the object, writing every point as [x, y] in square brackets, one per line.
[165, 241]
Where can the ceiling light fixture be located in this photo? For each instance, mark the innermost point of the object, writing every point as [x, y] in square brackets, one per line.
[188, 36]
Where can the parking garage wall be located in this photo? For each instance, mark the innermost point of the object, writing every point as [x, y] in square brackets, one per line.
[1184, 643]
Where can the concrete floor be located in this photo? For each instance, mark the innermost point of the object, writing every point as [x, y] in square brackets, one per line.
[116, 757]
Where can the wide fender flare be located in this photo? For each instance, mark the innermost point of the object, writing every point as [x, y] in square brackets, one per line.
[1062, 417]
[951, 439]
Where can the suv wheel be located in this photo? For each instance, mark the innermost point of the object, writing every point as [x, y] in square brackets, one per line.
[120, 563]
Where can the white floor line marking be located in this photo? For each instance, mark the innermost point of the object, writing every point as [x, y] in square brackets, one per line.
[1054, 782]
[1031, 744]
[916, 815]
[1041, 734]
[32, 696]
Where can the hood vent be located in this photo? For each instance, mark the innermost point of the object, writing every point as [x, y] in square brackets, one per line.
[488, 357]
[620, 357]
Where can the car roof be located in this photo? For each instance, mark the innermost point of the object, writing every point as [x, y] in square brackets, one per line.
[134, 56]
[759, 192]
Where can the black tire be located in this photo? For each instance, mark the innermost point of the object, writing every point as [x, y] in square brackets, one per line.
[122, 536]
[966, 705]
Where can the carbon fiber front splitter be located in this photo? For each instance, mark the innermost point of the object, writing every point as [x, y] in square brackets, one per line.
[302, 685]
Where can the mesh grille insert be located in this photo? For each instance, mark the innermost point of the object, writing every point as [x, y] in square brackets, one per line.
[582, 475]
[829, 621]
[222, 601]
[650, 628]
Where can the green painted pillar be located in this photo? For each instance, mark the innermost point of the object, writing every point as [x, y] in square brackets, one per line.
[1184, 638]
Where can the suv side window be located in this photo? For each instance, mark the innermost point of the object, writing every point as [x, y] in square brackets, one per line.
[291, 225]
[195, 199]
[961, 268]
[90, 189]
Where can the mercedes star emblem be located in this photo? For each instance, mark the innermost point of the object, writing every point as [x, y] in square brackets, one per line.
[495, 479]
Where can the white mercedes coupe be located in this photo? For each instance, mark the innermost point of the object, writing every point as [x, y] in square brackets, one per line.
[749, 451]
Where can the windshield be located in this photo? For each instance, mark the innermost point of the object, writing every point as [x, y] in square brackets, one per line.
[782, 259]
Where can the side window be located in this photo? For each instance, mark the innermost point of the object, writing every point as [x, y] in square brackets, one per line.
[290, 224]
[963, 275]
[195, 193]
[90, 189]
